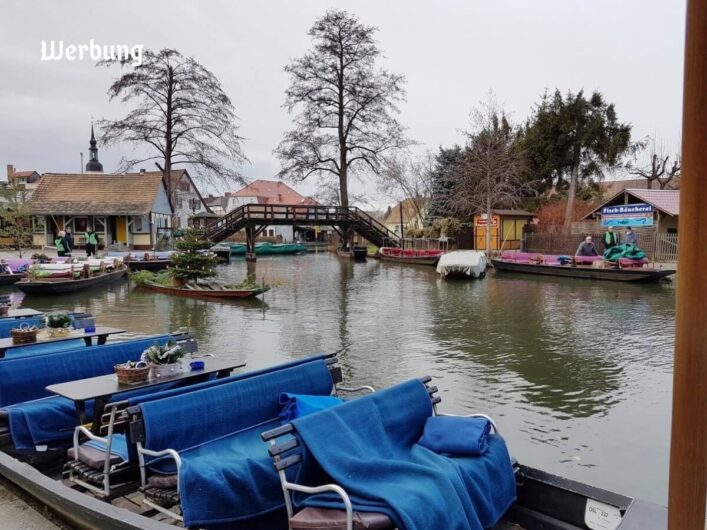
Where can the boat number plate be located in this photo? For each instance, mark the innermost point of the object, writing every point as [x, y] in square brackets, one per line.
[600, 516]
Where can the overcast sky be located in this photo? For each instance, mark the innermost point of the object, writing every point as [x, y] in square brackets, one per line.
[451, 51]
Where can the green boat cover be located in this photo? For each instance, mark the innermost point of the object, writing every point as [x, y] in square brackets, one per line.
[269, 248]
[623, 251]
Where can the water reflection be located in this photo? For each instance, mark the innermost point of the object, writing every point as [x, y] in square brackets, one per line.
[578, 373]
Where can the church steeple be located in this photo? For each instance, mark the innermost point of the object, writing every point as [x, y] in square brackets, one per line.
[93, 165]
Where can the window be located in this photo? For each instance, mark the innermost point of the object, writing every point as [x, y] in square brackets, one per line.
[80, 224]
[39, 225]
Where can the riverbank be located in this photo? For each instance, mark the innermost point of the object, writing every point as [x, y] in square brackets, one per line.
[18, 510]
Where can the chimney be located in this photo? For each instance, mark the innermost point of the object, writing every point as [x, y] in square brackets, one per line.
[10, 172]
[142, 170]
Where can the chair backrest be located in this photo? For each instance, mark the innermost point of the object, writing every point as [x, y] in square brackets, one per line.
[190, 419]
[26, 378]
[288, 453]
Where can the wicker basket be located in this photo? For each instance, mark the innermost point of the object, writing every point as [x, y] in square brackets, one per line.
[24, 335]
[127, 375]
[58, 332]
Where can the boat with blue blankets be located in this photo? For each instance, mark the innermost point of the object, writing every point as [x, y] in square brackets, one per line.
[264, 247]
[219, 452]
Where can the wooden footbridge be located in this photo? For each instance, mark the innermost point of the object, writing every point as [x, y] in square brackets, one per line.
[254, 218]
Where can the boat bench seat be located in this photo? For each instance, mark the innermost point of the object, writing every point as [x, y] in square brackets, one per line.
[311, 504]
[203, 451]
[37, 418]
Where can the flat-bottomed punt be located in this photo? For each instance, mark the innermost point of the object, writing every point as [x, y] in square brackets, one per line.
[411, 256]
[204, 291]
[629, 274]
[69, 285]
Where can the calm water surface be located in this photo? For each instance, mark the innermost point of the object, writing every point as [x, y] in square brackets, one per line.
[578, 374]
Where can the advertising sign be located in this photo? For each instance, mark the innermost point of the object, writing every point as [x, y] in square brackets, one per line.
[624, 215]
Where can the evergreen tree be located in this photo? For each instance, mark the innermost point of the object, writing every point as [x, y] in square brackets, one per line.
[446, 160]
[570, 140]
[191, 262]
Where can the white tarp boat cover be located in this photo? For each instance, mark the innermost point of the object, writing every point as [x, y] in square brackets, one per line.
[462, 262]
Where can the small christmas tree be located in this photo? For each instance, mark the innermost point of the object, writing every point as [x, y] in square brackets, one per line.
[192, 261]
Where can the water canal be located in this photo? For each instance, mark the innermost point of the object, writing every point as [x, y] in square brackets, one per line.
[577, 373]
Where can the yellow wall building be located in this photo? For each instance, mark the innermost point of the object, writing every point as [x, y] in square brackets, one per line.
[506, 229]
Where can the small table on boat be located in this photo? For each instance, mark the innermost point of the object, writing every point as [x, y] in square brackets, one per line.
[23, 313]
[102, 388]
[101, 333]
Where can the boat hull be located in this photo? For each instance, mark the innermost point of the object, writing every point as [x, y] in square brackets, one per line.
[149, 265]
[543, 501]
[9, 279]
[69, 286]
[275, 248]
[177, 291]
[412, 260]
[587, 273]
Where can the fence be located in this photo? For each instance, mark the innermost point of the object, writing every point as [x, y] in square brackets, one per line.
[658, 247]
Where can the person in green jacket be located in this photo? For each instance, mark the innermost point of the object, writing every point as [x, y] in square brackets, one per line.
[91, 242]
[610, 239]
[62, 247]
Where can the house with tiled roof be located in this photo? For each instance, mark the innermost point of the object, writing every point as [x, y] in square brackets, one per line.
[655, 210]
[131, 208]
[187, 201]
[609, 188]
[271, 192]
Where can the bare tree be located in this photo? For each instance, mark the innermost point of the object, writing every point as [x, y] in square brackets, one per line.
[659, 167]
[181, 110]
[346, 105]
[488, 175]
[409, 176]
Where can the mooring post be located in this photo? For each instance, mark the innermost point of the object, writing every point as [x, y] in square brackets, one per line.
[250, 243]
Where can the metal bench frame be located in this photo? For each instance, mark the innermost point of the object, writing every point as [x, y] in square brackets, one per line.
[286, 454]
[115, 419]
[137, 430]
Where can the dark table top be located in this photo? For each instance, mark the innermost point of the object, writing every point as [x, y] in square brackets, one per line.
[23, 312]
[107, 385]
[43, 337]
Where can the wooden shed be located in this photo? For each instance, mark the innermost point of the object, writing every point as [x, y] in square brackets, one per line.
[506, 229]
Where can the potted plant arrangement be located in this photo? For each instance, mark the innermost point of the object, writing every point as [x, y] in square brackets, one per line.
[165, 360]
[59, 324]
[132, 372]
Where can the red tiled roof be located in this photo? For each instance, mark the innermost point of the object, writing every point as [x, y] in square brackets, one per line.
[24, 174]
[272, 192]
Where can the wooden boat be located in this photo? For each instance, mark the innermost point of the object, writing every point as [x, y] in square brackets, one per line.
[203, 291]
[414, 257]
[69, 285]
[544, 501]
[642, 275]
[144, 261]
[148, 265]
[8, 278]
[238, 249]
[462, 264]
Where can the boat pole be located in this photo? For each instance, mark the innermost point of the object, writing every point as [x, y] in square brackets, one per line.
[688, 448]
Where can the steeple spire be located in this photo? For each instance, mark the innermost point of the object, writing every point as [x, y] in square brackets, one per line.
[93, 165]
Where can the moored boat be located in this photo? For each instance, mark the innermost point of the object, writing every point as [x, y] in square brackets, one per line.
[612, 273]
[68, 283]
[462, 264]
[411, 256]
[204, 291]
[238, 249]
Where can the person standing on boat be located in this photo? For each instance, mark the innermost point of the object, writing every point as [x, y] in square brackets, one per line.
[630, 238]
[69, 241]
[62, 247]
[610, 238]
[91, 242]
[586, 248]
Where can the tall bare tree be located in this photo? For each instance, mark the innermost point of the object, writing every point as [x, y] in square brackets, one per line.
[346, 105]
[179, 108]
[660, 167]
[489, 174]
[411, 177]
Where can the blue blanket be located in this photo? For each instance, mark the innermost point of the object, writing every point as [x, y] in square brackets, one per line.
[118, 447]
[32, 350]
[368, 446]
[456, 435]
[224, 380]
[296, 405]
[26, 378]
[226, 473]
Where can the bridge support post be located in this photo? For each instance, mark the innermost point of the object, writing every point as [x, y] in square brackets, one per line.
[250, 235]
